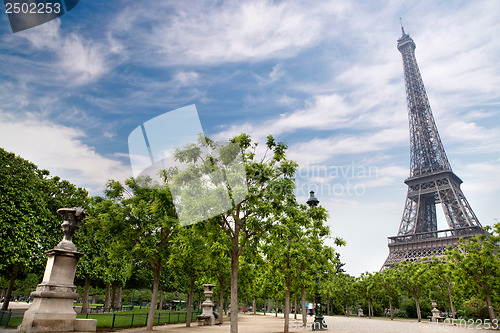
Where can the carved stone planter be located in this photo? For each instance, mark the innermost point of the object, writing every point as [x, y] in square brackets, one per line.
[52, 308]
[207, 317]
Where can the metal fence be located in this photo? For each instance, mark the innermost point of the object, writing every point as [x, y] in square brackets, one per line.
[122, 320]
[102, 309]
[5, 318]
[112, 320]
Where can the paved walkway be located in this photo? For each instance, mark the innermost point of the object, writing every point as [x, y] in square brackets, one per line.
[259, 323]
[249, 323]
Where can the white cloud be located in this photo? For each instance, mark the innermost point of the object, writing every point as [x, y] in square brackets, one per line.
[186, 78]
[272, 77]
[225, 32]
[60, 150]
[252, 30]
[468, 131]
[81, 60]
[320, 150]
[323, 112]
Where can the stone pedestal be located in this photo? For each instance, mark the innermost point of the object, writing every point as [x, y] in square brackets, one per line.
[360, 311]
[207, 317]
[435, 312]
[52, 307]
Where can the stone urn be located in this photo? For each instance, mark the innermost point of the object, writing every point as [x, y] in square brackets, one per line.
[207, 316]
[435, 312]
[360, 311]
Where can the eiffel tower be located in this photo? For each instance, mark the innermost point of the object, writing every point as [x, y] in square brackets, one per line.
[431, 180]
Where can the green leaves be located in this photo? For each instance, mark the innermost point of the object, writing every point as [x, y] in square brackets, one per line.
[29, 224]
[477, 265]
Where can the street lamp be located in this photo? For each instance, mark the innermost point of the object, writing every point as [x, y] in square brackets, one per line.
[312, 201]
[318, 316]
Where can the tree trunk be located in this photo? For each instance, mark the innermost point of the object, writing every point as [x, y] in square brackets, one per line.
[190, 303]
[113, 296]
[347, 310]
[491, 311]
[221, 298]
[254, 306]
[234, 287]
[295, 307]
[287, 307]
[303, 305]
[86, 290]
[161, 298]
[107, 300]
[276, 308]
[452, 308]
[13, 276]
[369, 308]
[328, 305]
[154, 297]
[391, 309]
[118, 297]
[417, 304]
[269, 308]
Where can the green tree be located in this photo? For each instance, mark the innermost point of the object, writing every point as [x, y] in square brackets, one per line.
[387, 281]
[106, 259]
[219, 260]
[442, 274]
[29, 224]
[269, 180]
[282, 246]
[477, 264]
[344, 287]
[413, 277]
[144, 226]
[188, 255]
[367, 288]
[249, 269]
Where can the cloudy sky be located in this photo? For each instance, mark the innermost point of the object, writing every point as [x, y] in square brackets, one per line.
[323, 76]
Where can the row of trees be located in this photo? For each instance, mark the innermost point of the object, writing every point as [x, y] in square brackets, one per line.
[265, 246]
[465, 281]
[275, 245]
[29, 224]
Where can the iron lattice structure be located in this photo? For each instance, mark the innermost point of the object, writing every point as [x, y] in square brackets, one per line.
[431, 180]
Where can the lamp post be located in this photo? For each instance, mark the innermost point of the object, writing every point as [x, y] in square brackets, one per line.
[318, 315]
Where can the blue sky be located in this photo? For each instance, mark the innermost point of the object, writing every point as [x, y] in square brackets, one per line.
[324, 76]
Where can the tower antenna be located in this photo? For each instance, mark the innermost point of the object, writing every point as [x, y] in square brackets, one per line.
[402, 28]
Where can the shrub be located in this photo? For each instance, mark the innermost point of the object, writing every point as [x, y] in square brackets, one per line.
[461, 314]
[475, 308]
[401, 314]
